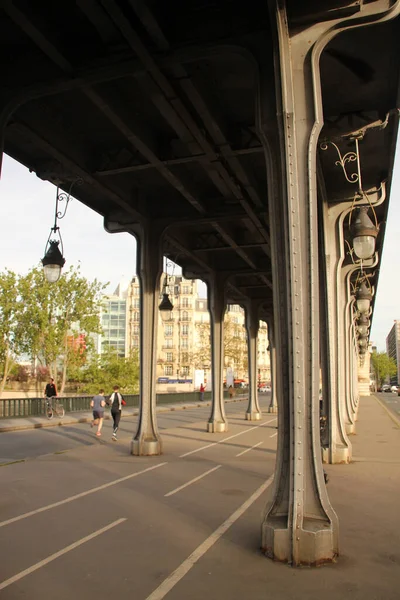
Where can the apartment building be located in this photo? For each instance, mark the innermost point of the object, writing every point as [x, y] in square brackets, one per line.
[183, 346]
[393, 349]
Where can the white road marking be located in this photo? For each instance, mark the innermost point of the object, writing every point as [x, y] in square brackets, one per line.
[52, 557]
[178, 489]
[248, 449]
[226, 439]
[81, 495]
[166, 586]
[274, 434]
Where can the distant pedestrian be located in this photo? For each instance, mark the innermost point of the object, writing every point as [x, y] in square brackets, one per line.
[117, 402]
[231, 392]
[202, 390]
[98, 403]
[50, 390]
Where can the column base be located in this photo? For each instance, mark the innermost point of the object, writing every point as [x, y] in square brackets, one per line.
[273, 409]
[350, 428]
[316, 544]
[341, 455]
[217, 426]
[146, 447]
[253, 416]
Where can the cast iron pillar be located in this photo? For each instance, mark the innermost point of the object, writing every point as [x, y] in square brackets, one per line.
[253, 412]
[273, 405]
[216, 297]
[147, 440]
[299, 524]
[338, 449]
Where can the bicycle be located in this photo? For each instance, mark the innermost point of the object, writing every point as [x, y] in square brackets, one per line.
[58, 409]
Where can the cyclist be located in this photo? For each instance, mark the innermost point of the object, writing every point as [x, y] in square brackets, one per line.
[98, 403]
[50, 390]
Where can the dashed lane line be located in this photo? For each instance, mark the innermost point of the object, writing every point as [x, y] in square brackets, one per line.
[81, 495]
[170, 582]
[181, 487]
[248, 449]
[226, 439]
[49, 559]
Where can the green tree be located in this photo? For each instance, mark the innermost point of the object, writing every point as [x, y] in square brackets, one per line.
[56, 316]
[109, 369]
[383, 366]
[11, 323]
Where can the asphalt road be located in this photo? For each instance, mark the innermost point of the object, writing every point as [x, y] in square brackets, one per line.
[391, 401]
[33, 443]
[80, 517]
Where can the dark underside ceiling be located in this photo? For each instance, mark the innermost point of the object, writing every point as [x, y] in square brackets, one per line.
[152, 104]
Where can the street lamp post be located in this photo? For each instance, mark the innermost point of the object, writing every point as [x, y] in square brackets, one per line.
[53, 260]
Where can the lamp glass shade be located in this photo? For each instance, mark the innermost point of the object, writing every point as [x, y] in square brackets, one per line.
[364, 246]
[362, 330]
[363, 305]
[52, 273]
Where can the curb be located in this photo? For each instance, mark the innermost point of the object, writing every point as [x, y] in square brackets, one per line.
[395, 420]
[75, 421]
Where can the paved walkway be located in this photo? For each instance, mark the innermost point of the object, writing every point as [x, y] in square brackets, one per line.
[71, 418]
[95, 522]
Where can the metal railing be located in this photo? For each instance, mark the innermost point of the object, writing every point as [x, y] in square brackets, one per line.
[35, 407]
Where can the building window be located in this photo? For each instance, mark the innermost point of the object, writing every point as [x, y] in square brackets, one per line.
[135, 342]
[185, 302]
[135, 330]
[136, 316]
[169, 356]
[185, 289]
[185, 329]
[136, 303]
[185, 315]
[184, 344]
[168, 330]
[185, 371]
[168, 370]
[136, 291]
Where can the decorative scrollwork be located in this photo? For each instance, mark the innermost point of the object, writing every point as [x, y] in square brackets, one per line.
[343, 161]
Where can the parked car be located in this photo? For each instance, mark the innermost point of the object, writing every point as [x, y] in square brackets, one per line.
[394, 389]
[264, 388]
[386, 388]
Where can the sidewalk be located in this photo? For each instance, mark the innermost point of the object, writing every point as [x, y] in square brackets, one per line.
[19, 423]
[364, 494]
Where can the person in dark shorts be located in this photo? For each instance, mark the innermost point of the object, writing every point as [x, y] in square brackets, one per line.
[98, 403]
[116, 401]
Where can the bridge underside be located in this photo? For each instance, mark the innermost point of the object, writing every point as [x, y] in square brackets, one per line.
[232, 138]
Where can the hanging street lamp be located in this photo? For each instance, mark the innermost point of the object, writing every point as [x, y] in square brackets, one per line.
[363, 298]
[364, 234]
[53, 260]
[166, 307]
[363, 325]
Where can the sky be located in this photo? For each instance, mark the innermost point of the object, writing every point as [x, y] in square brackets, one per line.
[27, 214]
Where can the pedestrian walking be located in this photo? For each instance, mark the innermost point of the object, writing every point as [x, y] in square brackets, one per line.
[202, 390]
[117, 402]
[98, 403]
[231, 392]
